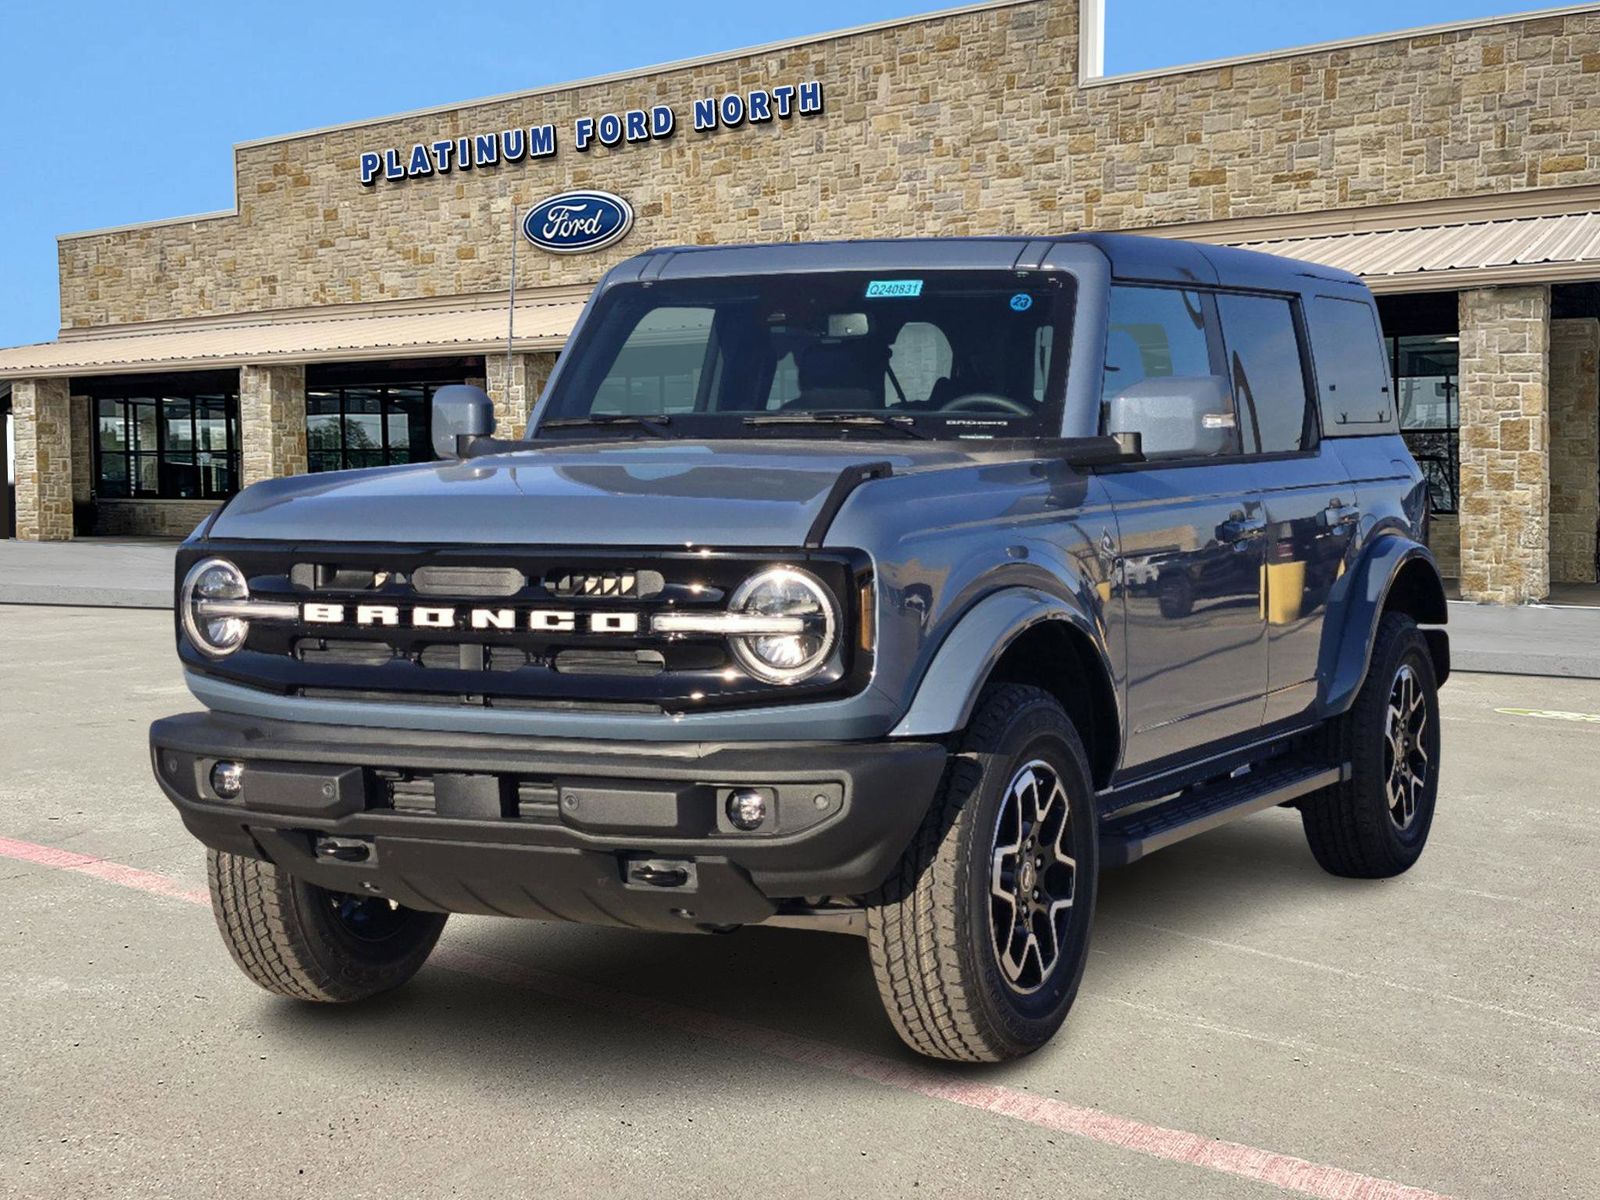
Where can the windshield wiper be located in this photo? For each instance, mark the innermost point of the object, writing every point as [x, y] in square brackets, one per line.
[895, 421]
[651, 424]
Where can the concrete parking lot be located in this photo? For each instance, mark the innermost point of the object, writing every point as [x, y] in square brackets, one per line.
[1248, 1026]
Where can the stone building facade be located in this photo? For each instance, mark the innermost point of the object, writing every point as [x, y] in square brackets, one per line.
[979, 120]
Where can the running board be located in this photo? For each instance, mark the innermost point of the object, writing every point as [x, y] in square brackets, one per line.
[1126, 838]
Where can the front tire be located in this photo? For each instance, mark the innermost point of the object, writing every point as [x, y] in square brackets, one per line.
[979, 938]
[1375, 824]
[302, 941]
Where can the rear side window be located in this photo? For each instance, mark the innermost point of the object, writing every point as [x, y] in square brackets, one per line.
[1154, 333]
[1352, 369]
[1267, 372]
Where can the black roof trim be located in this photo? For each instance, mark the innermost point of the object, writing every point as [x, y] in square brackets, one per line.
[1131, 256]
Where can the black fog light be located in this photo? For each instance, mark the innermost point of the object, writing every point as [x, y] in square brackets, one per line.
[227, 779]
[747, 809]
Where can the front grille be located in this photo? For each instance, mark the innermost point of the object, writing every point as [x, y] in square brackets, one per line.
[557, 630]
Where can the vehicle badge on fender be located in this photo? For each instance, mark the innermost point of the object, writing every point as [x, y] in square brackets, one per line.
[578, 222]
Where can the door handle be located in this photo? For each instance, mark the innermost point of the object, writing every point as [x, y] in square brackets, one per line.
[1242, 533]
[1338, 513]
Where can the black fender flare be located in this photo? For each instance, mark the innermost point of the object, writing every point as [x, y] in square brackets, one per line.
[1358, 602]
[948, 691]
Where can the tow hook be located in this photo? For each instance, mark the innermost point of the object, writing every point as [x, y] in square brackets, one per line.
[350, 850]
[660, 872]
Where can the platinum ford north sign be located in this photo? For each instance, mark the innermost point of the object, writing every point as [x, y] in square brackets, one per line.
[493, 147]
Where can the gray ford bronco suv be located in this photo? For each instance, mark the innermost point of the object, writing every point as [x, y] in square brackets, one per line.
[896, 588]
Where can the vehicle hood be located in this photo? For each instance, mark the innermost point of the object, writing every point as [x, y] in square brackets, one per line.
[613, 494]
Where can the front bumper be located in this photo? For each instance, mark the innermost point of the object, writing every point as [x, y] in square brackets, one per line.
[607, 832]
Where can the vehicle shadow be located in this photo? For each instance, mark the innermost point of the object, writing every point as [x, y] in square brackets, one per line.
[811, 985]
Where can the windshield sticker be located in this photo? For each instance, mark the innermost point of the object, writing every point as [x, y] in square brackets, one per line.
[893, 289]
[1021, 302]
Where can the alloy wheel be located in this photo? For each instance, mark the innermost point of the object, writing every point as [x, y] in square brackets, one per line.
[1033, 876]
[1406, 759]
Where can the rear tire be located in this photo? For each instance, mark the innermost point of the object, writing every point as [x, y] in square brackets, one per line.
[302, 941]
[1375, 824]
[979, 938]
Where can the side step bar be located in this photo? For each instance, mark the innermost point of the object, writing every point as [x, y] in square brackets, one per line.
[1130, 836]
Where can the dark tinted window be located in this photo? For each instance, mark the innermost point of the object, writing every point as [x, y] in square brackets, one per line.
[168, 444]
[1265, 368]
[1351, 366]
[368, 426]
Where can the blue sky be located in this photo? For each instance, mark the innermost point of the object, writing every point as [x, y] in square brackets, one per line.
[113, 112]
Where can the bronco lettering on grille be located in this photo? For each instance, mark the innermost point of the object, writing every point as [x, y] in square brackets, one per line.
[539, 620]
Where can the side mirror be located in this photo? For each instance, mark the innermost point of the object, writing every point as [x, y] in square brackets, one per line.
[1186, 416]
[460, 413]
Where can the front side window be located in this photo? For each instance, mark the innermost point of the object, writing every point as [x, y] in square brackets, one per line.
[941, 353]
[368, 426]
[1267, 372]
[1154, 333]
[167, 444]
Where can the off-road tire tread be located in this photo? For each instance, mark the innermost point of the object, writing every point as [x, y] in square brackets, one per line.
[912, 922]
[278, 946]
[1349, 833]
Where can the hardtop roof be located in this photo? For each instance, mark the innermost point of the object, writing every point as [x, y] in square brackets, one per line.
[1131, 256]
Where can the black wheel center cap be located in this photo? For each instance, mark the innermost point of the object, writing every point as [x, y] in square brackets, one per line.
[1026, 876]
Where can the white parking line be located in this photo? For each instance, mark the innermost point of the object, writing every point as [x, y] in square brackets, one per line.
[1550, 714]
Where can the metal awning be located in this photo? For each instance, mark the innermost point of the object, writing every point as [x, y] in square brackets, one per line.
[1542, 249]
[341, 336]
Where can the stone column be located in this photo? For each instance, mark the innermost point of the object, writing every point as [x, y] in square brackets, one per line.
[272, 422]
[1574, 449]
[514, 402]
[1505, 444]
[42, 427]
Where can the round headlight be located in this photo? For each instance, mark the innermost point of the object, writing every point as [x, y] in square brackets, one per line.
[786, 657]
[212, 583]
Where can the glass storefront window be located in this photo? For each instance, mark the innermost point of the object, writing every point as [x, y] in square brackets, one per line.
[349, 427]
[169, 445]
[1426, 373]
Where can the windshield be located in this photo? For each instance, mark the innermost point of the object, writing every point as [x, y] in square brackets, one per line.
[932, 354]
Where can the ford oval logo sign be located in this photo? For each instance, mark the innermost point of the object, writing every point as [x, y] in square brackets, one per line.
[578, 222]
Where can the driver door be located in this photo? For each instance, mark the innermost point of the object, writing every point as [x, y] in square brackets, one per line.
[1193, 542]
